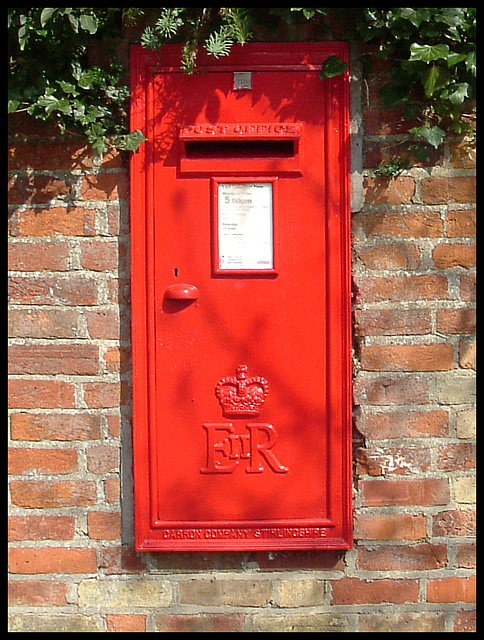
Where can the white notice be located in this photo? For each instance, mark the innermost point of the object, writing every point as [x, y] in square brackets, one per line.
[245, 226]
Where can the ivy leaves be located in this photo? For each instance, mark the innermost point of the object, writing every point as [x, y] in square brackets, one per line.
[86, 21]
[427, 52]
[439, 77]
[332, 67]
[433, 55]
[51, 78]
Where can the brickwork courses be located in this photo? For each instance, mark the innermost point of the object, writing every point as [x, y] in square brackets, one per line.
[71, 558]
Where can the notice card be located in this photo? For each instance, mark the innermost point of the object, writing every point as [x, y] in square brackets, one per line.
[245, 226]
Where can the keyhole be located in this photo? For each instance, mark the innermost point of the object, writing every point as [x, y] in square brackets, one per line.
[175, 271]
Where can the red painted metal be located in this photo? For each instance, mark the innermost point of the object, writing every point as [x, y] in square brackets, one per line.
[181, 291]
[241, 379]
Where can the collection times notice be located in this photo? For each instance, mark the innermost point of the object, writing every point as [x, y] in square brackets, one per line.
[245, 230]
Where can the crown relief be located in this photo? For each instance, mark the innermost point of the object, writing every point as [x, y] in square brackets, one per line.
[241, 396]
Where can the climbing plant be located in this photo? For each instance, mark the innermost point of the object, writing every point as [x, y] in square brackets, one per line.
[54, 76]
[433, 64]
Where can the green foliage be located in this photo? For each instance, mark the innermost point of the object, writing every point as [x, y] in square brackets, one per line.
[432, 55]
[332, 68]
[165, 27]
[390, 169]
[216, 30]
[51, 76]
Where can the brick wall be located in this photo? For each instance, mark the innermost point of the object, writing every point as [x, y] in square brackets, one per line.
[71, 559]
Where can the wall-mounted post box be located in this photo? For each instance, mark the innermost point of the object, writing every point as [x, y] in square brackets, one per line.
[241, 301]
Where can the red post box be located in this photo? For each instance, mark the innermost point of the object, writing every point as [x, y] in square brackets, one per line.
[241, 301]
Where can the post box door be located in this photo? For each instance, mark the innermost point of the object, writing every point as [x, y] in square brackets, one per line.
[241, 304]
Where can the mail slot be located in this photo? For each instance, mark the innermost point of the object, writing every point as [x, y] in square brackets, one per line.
[197, 150]
[235, 148]
[241, 301]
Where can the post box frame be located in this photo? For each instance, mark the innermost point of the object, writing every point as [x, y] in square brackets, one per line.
[296, 56]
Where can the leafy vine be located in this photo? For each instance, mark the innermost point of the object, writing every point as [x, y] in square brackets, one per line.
[431, 53]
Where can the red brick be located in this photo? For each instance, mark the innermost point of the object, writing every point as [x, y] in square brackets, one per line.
[425, 224]
[407, 424]
[424, 357]
[105, 186]
[117, 222]
[455, 523]
[52, 560]
[38, 256]
[118, 359]
[383, 150]
[41, 461]
[62, 427]
[445, 190]
[456, 457]
[36, 593]
[99, 256]
[391, 391]
[461, 224]
[126, 622]
[467, 354]
[349, 591]
[381, 77]
[121, 559]
[300, 560]
[465, 621]
[114, 426]
[53, 221]
[53, 290]
[199, 622]
[448, 256]
[385, 461]
[452, 590]
[43, 323]
[391, 322]
[462, 155]
[456, 321]
[466, 555]
[402, 288]
[405, 492]
[112, 489]
[41, 528]
[103, 525]
[119, 291]
[58, 156]
[468, 288]
[390, 527]
[384, 122]
[422, 557]
[40, 394]
[47, 495]
[372, 154]
[102, 459]
[22, 123]
[391, 258]
[36, 189]
[67, 359]
[104, 324]
[100, 395]
[388, 191]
